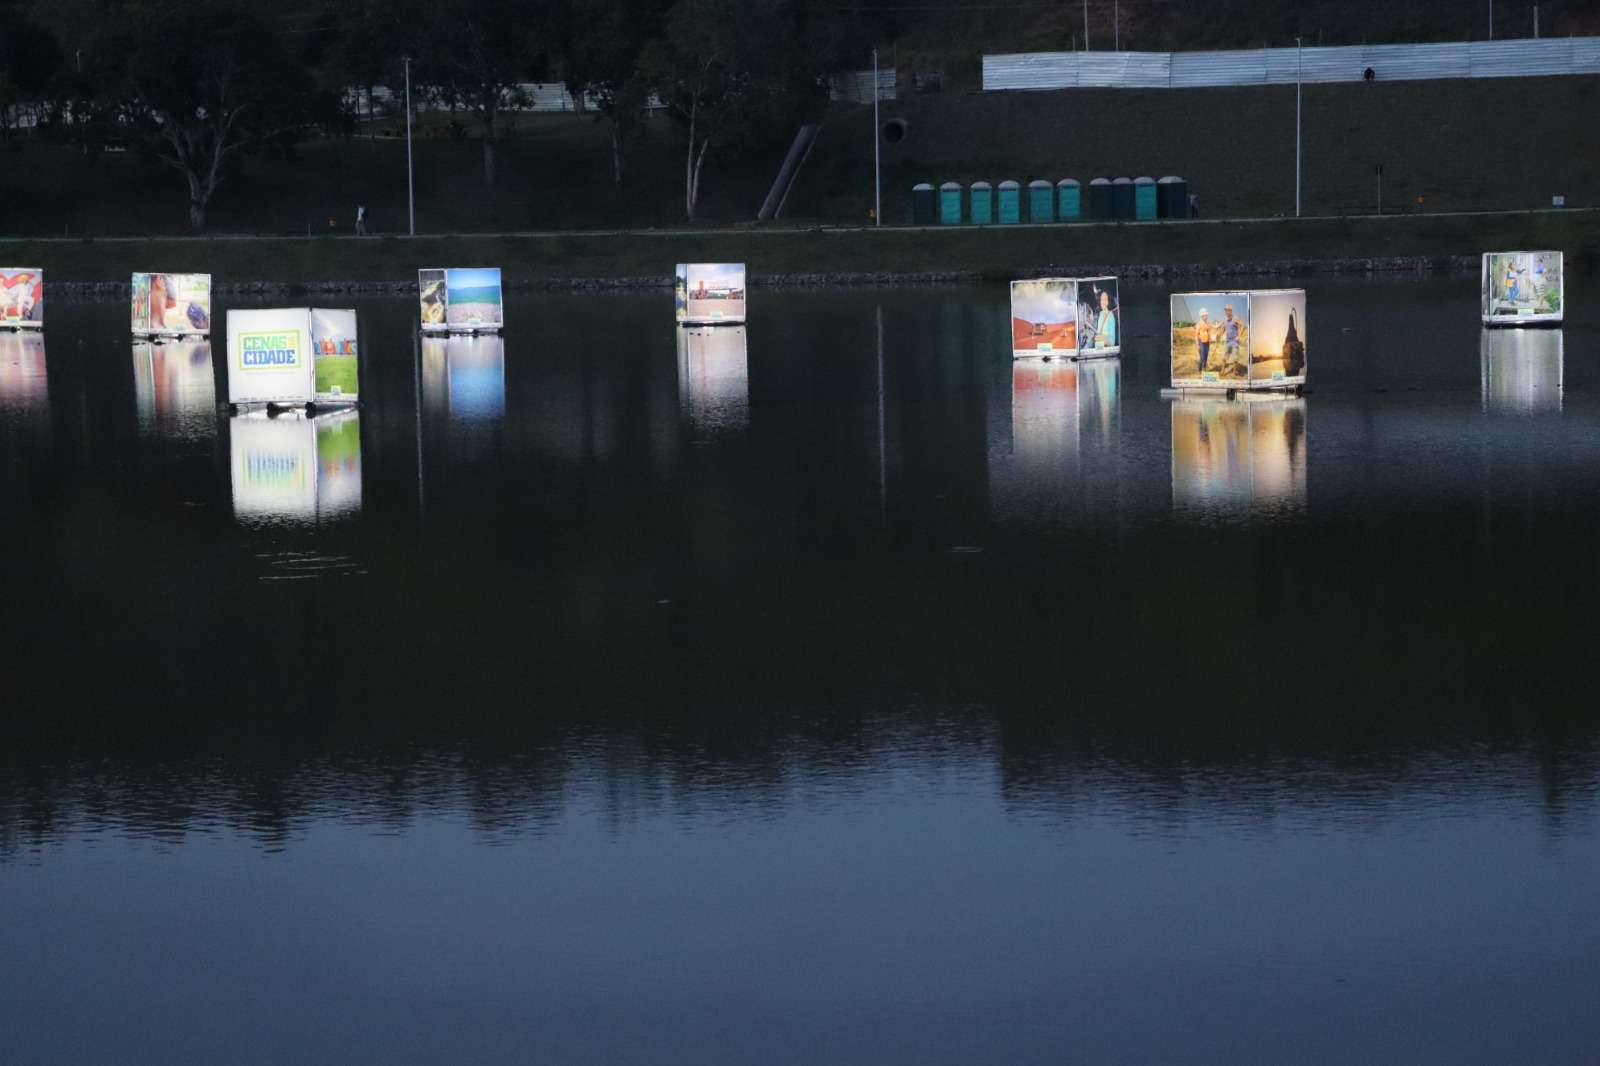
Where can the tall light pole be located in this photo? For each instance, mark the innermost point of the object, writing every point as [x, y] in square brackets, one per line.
[877, 135]
[1491, 20]
[1297, 71]
[1116, 25]
[411, 188]
[1085, 25]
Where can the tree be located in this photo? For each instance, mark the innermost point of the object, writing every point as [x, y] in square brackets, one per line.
[602, 43]
[30, 59]
[729, 71]
[476, 54]
[229, 83]
[374, 38]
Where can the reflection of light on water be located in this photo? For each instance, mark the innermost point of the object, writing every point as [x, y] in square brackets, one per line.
[1099, 400]
[1521, 370]
[1233, 458]
[24, 383]
[1278, 455]
[292, 470]
[1031, 476]
[465, 376]
[713, 379]
[476, 371]
[174, 389]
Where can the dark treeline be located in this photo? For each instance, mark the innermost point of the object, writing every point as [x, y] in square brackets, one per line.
[196, 84]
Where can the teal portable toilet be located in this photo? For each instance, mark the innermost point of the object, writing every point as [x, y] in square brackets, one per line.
[950, 204]
[1172, 198]
[923, 205]
[1041, 201]
[1122, 198]
[1100, 198]
[1144, 199]
[1010, 203]
[982, 203]
[1069, 200]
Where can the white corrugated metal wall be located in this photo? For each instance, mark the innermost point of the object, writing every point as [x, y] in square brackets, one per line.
[1278, 66]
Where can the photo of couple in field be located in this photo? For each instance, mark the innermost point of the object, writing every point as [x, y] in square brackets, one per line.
[1211, 337]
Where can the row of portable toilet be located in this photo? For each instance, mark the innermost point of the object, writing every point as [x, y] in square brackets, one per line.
[1134, 199]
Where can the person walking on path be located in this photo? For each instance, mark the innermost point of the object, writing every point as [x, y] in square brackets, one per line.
[361, 220]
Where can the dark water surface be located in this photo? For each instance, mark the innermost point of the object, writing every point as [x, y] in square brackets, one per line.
[844, 698]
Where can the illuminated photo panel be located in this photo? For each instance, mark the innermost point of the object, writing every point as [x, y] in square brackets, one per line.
[1523, 288]
[1211, 339]
[1100, 312]
[709, 293]
[292, 355]
[171, 304]
[1278, 337]
[269, 355]
[461, 299]
[21, 298]
[335, 359]
[1074, 317]
[1044, 317]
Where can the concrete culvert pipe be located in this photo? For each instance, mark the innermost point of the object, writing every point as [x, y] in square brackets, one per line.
[895, 130]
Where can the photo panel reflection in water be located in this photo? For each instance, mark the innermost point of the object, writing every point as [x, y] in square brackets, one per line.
[713, 380]
[24, 376]
[174, 389]
[1522, 371]
[295, 470]
[1523, 288]
[1062, 445]
[464, 377]
[1236, 458]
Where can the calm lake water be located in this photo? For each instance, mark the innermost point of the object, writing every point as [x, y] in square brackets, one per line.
[827, 690]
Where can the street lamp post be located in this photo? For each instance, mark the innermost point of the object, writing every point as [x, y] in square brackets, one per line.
[411, 189]
[1297, 71]
[877, 136]
[1116, 25]
[1085, 25]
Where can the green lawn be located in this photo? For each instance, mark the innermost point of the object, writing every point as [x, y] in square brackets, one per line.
[1446, 142]
[990, 252]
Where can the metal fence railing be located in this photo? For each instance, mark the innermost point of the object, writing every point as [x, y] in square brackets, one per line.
[1279, 66]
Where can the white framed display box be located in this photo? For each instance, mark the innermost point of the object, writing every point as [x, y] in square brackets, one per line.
[170, 305]
[1523, 288]
[709, 294]
[293, 356]
[21, 298]
[1071, 318]
[1238, 340]
[461, 300]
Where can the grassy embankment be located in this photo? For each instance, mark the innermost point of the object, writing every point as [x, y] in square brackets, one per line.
[1460, 145]
[1442, 141]
[991, 252]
